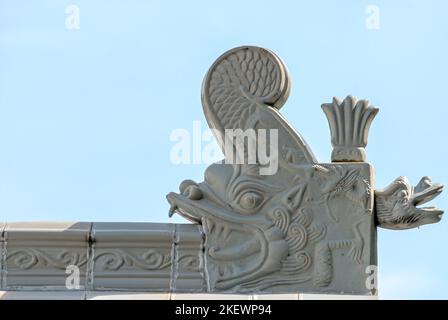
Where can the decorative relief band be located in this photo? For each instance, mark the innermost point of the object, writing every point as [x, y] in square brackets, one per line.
[26, 259]
[118, 256]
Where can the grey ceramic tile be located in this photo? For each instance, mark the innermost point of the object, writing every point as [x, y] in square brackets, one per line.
[188, 270]
[2, 252]
[134, 256]
[2, 228]
[287, 296]
[46, 254]
[114, 295]
[336, 297]
[42, 295]
[209, 296]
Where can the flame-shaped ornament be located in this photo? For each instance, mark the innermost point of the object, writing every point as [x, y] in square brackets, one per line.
[349, 122]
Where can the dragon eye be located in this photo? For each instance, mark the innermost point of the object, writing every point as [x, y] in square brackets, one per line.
[251, 200]
[403, 194]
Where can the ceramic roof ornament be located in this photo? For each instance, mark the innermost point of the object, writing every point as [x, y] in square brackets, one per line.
[267, 219]
[305, 226]
[349, 121]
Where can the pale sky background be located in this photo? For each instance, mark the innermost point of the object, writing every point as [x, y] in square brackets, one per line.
[86, 115]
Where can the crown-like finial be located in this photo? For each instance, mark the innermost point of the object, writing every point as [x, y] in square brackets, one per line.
[349, 122]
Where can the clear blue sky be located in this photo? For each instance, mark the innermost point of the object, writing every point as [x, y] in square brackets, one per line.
[86, 115]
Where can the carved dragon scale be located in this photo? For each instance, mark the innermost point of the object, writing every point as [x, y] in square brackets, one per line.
[309, 227]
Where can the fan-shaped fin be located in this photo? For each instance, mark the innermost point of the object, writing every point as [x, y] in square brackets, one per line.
[244, 89]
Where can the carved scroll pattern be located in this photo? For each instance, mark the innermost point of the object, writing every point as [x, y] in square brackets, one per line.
[26, 259]
[149, 260]
[117, 259]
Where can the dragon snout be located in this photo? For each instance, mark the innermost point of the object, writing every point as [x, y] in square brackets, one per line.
[398, 205]
[190, 190]
[425, 191]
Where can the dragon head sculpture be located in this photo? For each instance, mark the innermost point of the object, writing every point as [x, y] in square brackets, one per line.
[396, 205]
[253, 226]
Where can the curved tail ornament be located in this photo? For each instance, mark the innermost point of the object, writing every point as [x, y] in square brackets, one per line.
[244, 89]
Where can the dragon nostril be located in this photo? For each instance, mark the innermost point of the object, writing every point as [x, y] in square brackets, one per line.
[185, 184]
[192, 192]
